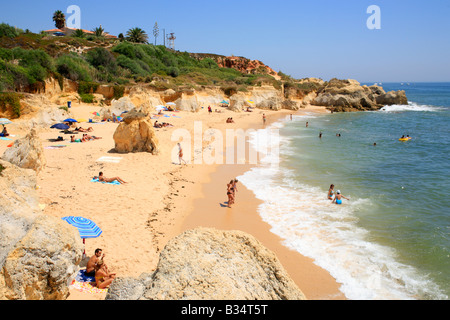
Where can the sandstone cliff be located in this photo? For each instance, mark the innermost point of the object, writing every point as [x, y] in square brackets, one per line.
[208, 264]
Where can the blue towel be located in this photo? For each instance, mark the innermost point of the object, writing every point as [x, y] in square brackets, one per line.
[115, 182]
[82, 277]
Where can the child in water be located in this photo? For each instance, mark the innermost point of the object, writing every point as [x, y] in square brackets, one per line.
[337, 199]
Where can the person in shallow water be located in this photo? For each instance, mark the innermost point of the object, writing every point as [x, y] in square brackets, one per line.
[331, 192]
[338, 197]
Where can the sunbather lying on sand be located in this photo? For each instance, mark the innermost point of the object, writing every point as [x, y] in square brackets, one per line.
[87, 137]
[80, 129]
[104, 179]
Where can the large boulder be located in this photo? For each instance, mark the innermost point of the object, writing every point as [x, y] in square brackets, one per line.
[392, 97]
[39, 254]
[204, 264]
[27, 152]
[136, 134]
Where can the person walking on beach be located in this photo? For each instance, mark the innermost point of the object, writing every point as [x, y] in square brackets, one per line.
[180, 154]
[235, 181]
[264, 118]
[230, 193]
[338, 198]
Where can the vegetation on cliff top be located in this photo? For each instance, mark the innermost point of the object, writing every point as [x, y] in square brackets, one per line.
[27, 59]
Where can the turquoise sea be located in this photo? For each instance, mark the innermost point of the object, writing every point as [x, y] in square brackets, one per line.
[391, 239]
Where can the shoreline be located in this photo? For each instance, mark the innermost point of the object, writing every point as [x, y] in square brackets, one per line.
[209, 210]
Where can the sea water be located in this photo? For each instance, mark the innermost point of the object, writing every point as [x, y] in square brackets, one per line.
[391, 239]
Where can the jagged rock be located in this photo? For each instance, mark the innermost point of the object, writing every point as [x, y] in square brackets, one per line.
[27, 152]
[39, 254]
[392, 97]
[273, 103]
[187, 102]
[206, 264]
[290, 105]
[135, 134]
[117, 107]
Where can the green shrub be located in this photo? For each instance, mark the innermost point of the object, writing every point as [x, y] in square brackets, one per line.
[11, 100]
[74, 68]
[87, 98]
[9, 31]
[87, 87]
[118, 92]
[100, 57]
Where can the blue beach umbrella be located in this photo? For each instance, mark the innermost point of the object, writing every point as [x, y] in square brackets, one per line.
[4, 121]
[60, 126]
[87, 228]
[70, 120]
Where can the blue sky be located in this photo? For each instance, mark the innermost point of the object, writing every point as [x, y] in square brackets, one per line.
[302, 38]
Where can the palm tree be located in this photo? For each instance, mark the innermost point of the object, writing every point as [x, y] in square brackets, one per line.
[60, 19]
[137, 35]
[79, 33]
[99, 32]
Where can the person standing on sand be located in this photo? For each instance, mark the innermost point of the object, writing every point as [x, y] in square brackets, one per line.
[264, 118]
[180, 154]
[235, 181]
[230, 193]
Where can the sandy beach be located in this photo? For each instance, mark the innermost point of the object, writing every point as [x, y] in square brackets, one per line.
[161, 199]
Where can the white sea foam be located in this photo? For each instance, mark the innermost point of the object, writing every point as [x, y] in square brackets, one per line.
[329, 234]
[411, 106]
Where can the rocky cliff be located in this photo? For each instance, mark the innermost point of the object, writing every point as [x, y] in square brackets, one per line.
[208, 264]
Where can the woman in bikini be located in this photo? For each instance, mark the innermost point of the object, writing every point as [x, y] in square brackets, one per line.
[230, 193]
[103, 278]
[331, 192]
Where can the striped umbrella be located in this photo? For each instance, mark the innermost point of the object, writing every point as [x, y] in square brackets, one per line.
[4, 121]
[87, 228]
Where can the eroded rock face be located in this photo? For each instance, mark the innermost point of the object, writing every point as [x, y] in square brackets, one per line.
[206, 264]
[39, 254]
[27, 152]
[136, 134]
[350, 95]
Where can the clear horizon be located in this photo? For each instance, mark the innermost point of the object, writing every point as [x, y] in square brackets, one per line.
[322, 39]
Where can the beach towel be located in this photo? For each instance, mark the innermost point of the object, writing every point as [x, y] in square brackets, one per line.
[82, 277]
[115, 182]
[86, 287]
[5, 139]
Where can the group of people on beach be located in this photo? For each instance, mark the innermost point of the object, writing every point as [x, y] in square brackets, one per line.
[85, 138]
[231, 192]
[230, 120]
[97, 268]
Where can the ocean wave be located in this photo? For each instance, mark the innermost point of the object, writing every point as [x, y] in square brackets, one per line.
[411, 106]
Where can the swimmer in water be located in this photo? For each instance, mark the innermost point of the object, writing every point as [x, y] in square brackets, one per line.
[338, 198]
[331, 192]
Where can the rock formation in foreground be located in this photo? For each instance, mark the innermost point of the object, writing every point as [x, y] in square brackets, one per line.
[208, 264]
[38, 254]
[135, 134]
[27, 152]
